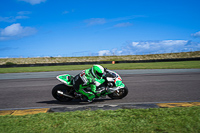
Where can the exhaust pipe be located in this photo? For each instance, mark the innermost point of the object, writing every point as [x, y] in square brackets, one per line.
[61, 93]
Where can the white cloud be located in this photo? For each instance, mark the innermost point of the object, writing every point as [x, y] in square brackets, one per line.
[24, 13]
[135, 43]
[163, 46]
[95, 21]
[7, 19]
[12, 30]
[33, 2]
[65, 12]
[123, 24]
[104, 53]
[12, 19]
[68, 11]
[197, 34]
[21, 17]
[126, 18]
[16, 31]
[154, 47]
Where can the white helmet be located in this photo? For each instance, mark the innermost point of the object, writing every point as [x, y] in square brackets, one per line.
[97, 71]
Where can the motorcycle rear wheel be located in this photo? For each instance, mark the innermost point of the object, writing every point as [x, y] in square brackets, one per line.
[121, 93]
[65, 89]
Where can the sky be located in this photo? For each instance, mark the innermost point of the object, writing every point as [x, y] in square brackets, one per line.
[68, 28]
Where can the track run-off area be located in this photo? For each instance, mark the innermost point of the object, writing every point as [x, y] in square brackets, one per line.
[20, 91]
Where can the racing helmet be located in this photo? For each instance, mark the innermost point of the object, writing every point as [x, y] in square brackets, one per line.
[98, 71]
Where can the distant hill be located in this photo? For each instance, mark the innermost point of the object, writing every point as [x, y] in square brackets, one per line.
[40, 60]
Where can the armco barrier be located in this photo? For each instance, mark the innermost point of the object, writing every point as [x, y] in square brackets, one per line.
[159, 60]
[101, 62]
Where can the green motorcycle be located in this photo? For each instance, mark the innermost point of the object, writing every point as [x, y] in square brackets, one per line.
[112, 87]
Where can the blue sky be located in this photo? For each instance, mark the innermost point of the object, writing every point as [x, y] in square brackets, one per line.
[40, 28]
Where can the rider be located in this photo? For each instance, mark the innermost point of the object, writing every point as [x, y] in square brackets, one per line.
[92, 78]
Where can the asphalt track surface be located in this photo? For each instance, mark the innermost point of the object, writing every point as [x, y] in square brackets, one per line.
[33, 90]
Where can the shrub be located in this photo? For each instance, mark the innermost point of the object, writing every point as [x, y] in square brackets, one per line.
[9, 63]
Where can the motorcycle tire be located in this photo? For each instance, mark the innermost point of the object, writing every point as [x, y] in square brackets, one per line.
[119, 94]
[65, 89]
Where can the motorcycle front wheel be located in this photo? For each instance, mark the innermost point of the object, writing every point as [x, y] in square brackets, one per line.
[63, 88]
[119, 94]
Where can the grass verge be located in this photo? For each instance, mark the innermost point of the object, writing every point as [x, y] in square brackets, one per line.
[182, 120]
[122, 66]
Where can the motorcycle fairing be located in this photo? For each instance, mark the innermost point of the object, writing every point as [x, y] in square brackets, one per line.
[66, 78]
[116, 77]
[118, 83]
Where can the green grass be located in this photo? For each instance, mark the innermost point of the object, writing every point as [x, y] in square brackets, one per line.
[122, 66]
[180, 120]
